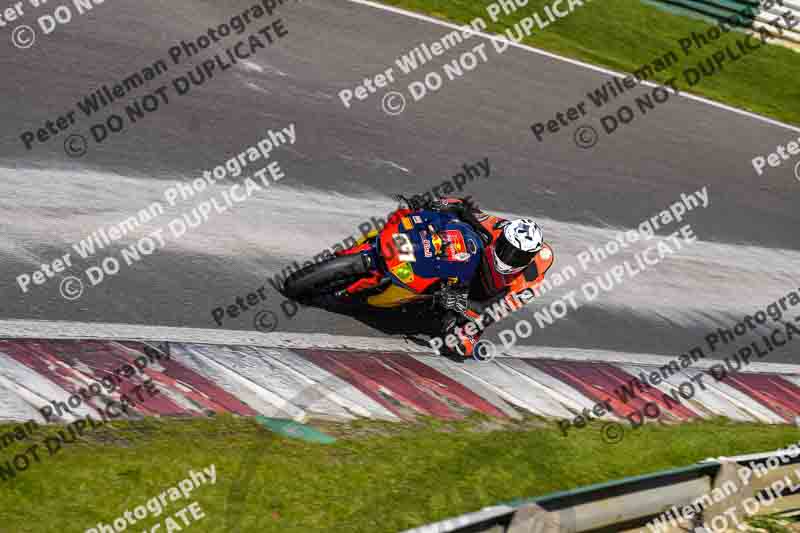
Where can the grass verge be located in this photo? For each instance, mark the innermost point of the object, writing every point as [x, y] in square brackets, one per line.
[627, 34]
[377, 477]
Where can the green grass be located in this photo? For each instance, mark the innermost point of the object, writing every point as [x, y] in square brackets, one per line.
[627, 34]
[770, 524]
[377, 477]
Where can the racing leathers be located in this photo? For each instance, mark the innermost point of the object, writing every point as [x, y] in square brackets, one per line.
[490, 296]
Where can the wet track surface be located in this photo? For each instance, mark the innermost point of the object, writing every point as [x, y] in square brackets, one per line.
[346, 163]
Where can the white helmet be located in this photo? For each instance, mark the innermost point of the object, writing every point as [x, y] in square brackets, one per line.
[515, 248]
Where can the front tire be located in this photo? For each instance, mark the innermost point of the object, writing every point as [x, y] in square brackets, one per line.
[321, 279]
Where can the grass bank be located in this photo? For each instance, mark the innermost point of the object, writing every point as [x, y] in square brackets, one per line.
[627, 34]
[378, 477]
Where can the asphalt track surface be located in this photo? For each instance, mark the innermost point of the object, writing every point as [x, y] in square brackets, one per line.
[346, 163]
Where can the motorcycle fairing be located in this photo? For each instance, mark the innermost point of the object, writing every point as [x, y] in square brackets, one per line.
[423, 247]
[415, 250]
[393, 296]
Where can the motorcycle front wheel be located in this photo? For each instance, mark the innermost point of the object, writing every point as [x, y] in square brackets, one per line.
[325, 278]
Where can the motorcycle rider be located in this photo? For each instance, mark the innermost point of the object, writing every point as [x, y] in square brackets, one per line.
[514, 263]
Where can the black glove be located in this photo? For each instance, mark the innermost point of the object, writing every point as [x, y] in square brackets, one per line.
[453, 299]
[438, 205]
[458, 208]
[416, 202]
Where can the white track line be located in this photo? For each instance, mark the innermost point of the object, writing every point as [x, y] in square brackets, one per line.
[589, 66]
[47, 329]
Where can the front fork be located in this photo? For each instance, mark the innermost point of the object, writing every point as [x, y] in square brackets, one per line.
[367, 247]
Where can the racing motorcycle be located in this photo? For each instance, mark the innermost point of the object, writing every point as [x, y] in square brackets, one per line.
[416, 254]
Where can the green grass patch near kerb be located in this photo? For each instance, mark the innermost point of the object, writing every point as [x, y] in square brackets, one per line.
[377, 476]
[626, 34]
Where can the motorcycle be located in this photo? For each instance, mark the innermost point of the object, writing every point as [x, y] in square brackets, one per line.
[417, 253]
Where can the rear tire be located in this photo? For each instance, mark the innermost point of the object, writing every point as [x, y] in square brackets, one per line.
[321, 279]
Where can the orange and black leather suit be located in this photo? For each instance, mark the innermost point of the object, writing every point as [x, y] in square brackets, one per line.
[489, 288]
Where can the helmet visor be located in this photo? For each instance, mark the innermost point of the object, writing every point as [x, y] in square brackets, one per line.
[511, 255]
